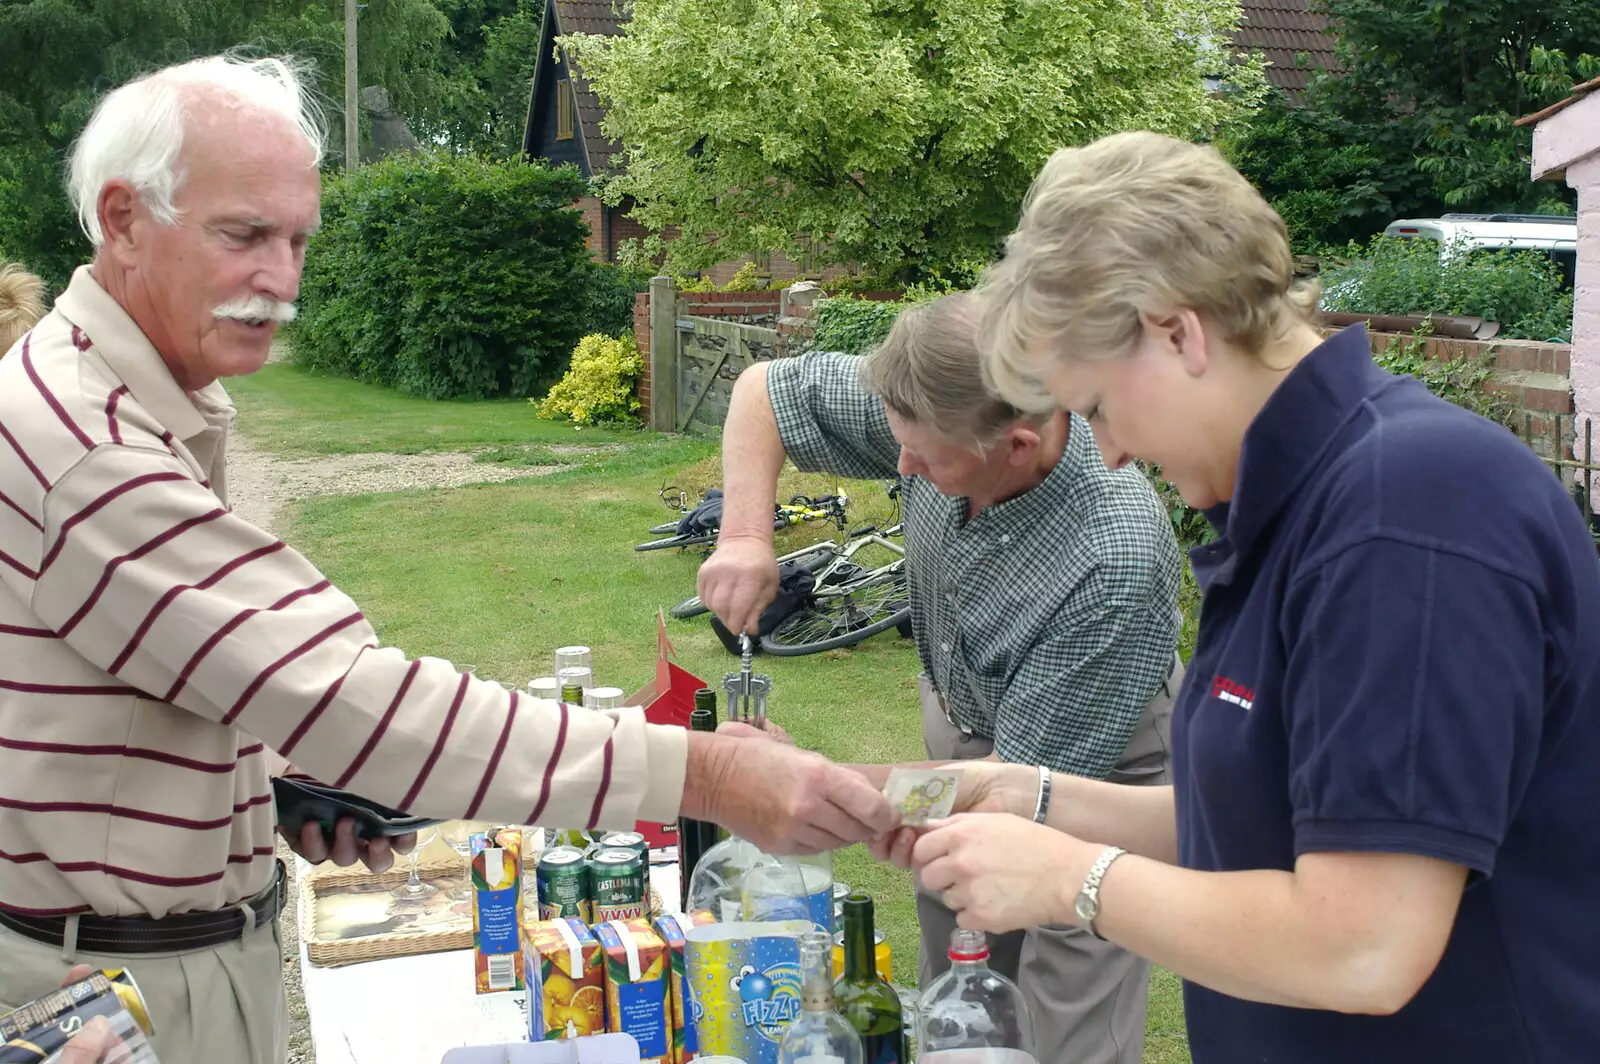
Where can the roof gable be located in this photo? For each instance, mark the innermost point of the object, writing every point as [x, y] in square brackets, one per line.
[1283, 31]
[562, 17]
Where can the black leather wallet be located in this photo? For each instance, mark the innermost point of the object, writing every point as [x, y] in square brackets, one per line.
[301, 801]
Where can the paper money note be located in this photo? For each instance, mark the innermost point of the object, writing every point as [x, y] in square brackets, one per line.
[922, 794]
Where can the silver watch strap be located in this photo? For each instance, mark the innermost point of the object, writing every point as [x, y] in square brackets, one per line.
[1091, 882]
[1041, 808]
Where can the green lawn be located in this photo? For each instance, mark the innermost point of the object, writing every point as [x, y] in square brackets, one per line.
[499, 575]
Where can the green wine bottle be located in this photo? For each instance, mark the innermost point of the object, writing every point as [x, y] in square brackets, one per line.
[864, 997]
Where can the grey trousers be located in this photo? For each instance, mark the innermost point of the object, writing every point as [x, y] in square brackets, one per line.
[1087, 997]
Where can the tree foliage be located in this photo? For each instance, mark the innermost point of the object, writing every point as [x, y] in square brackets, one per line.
[900, 134]
[457, 69]
[1420, 120]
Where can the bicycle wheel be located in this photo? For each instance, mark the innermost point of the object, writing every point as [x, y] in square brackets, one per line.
[693, 540]
[862, 610]
[689, 607]
[666, 528]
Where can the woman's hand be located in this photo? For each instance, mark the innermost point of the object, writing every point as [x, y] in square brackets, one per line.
[987, 786]
[1002, 873]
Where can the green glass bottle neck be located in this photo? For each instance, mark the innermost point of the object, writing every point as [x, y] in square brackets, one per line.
[859, 944]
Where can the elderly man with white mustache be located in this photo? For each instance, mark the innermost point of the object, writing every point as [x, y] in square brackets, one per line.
[155, 648]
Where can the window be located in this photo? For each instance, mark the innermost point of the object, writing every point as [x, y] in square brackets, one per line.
[563, 109]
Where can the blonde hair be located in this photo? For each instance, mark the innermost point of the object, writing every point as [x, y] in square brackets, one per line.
[21, 303]
[1135, 223]
[928, 371]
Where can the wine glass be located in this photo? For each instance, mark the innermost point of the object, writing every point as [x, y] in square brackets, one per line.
[414, 888]
[457, 834]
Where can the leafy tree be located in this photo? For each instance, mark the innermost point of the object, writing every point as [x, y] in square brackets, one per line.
[1420, 120]
[900, 134]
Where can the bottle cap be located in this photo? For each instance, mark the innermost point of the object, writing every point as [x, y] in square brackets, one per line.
[968, 945]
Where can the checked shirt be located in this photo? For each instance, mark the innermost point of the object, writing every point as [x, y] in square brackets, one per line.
[1049, 620]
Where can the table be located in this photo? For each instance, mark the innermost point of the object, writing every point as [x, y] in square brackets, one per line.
[412, 1010]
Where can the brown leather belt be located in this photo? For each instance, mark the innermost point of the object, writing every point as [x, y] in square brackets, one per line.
[178, 933]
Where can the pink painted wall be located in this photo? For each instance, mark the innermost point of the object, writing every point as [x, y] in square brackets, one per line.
[1570, 140]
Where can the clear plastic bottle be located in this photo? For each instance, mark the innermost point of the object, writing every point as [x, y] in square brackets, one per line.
[972, 1012]
[736, 880]
[819, 1035]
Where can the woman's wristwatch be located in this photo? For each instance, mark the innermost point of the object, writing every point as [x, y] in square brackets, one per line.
[1087, 904]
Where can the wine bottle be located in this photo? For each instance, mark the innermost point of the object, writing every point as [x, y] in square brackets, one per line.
[695, 837]
[819, 1035]
[865, 998]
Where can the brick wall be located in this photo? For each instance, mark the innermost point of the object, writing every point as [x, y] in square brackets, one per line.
[594, 217]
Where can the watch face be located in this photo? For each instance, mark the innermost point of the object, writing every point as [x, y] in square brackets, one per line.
[1087, 909]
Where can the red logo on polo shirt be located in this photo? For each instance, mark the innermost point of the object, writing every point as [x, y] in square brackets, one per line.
[1232, 691]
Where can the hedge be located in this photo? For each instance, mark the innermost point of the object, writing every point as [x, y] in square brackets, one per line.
[452, 277]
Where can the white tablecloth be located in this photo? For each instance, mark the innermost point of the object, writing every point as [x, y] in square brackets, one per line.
[412, 1010]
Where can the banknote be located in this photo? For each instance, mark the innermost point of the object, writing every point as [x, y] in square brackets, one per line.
[922, 794]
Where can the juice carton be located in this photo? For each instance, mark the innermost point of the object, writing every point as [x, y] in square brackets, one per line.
[497, 910]
[637, 987]
[566, 980]
[685, 1046]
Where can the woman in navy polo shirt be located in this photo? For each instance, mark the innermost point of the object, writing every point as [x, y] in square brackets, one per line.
[1383, 839]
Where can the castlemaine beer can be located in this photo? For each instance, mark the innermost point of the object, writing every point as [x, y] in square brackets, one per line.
[626, 840]
[616, 886]
[37, 1031]
[562, 884]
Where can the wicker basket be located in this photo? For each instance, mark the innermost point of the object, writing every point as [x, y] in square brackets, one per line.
[442, 935]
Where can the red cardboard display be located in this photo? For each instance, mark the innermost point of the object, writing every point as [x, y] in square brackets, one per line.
[667, 699]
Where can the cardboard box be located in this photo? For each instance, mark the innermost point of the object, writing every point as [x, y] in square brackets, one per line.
[667, 699]
[685, 1046]
[566, 980]
[637, 987]
[497, 910]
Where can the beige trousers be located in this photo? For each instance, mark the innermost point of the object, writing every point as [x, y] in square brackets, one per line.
[216, 1006]
[1087, 997]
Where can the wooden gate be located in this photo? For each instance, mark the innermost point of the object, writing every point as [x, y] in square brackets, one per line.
[695, 361]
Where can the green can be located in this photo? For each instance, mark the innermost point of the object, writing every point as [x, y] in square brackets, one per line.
[563, 883]
[626, 840]
[616, 886]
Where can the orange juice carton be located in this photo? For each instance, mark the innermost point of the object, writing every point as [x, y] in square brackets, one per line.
[637, 994]
[685, 1046]
[566, 979]
[497, 910]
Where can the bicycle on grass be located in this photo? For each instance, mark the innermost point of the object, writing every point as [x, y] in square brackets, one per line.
[799, 509]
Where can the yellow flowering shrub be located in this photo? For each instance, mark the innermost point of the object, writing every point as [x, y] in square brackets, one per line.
[599, 385]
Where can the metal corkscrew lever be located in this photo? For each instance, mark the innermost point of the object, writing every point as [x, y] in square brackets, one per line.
[747, 692]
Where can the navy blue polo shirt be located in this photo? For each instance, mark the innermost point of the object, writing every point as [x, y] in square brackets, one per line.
[1399, 652]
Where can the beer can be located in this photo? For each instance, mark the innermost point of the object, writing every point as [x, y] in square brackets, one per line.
[616, 886]
[881, 960]
[562, 884]
[626, 840]
[38, 1030]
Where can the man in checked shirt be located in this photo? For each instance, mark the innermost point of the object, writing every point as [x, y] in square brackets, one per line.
[155, 648]
[1043, 596]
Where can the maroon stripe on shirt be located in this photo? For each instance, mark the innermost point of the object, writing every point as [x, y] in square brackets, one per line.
[63, 689]
[37, 633]
[246, 858]
[60, 411]
[26, 516]
[494, 759]
[80, 339]
[383, 725]
[111, 413]
[18, 566]
[172, 593]
[99, 504]
[316, 711]
[138, 753]
[18, 910]
[605, 783]
[550, 766]
[222, 633]
[251, 803]
[438, 745]
[23, 858]
[134, 555]
[38, 475]
[300, 651]
[246, 751]
[123, 812]
[142, 877]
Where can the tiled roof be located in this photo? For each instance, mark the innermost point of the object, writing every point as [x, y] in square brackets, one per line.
[1283, 32]
[590, 17]
[1578, 93]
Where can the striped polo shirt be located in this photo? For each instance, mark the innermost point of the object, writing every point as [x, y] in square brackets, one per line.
[155, 649]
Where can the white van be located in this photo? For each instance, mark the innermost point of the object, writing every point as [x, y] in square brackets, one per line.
[1553, 234]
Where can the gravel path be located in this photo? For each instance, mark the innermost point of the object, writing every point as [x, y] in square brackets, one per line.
[260, 484]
